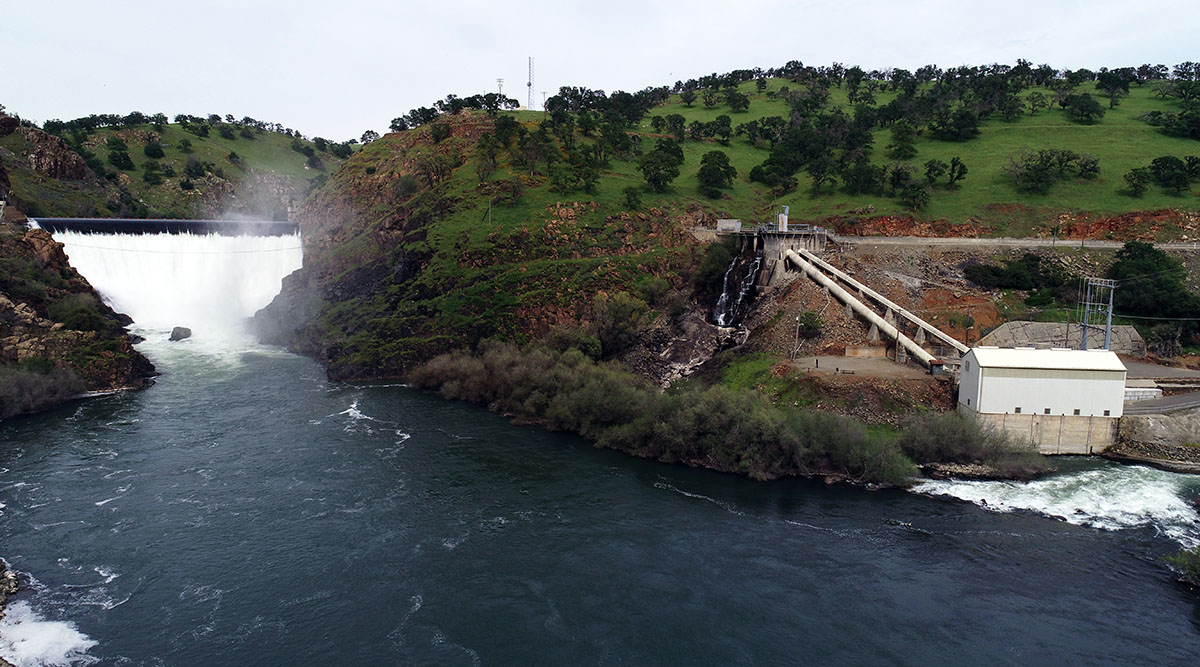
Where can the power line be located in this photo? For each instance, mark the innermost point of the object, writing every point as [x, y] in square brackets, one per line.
[183, 252]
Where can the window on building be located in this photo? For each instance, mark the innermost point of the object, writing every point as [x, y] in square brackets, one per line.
[1106, 413]
[1076, 412]
[1017, 410]
[1046, 411]
[967, 366]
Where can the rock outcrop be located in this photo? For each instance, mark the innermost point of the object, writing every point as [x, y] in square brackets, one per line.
[57, 338]
[50, 156]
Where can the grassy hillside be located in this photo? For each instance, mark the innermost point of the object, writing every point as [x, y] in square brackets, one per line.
[260, 175]
[422, 247]
[1120, 141]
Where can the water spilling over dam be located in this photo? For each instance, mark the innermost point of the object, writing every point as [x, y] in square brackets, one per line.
[210, 282]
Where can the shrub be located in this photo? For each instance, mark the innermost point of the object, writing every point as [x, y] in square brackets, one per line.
[439, 132]
[633, 196]
[949, 437]
[80, 312]
[193, 168]
[618, 318]
[120, 160]
[24, 390]
[718, 427]
[153, 150]
[710, 276]
[1187, 562]
[584, 340]
[808, 324]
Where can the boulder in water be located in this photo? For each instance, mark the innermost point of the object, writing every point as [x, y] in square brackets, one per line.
[179, 333]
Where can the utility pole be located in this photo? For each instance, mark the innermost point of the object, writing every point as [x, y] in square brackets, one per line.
[1099, 295]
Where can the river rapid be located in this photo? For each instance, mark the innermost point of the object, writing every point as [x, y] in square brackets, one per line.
[247, 511]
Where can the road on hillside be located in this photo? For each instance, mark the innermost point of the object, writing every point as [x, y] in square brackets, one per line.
[1141, 369]
[1163, 405]
[997, 242]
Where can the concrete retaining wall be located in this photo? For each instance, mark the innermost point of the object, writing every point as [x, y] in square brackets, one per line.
[1125, 339]
[1058, 434]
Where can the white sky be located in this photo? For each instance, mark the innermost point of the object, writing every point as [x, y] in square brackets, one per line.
[335, 68]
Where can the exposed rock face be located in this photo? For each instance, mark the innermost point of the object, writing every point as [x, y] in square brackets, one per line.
[1170, 430]
[180, 333]
[42, 361]
[666, 356]
[50, 156]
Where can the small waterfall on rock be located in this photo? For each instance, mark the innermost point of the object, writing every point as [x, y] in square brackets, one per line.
[209, 283]
[737, 291]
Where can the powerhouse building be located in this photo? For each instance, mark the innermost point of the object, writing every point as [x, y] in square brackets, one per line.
[1065, 401]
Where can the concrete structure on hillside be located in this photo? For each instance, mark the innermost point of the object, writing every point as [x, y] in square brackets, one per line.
[1125, 339]
[1065, 401]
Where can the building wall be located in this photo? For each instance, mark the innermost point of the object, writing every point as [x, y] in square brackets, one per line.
[968, 383]
[1003, 390]
[1057, 434]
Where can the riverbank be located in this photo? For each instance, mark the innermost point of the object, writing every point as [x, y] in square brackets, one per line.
[8, 586]
[58, 339]
[1181, 458]
[719, 427]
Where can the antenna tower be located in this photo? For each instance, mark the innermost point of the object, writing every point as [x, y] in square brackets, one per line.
[1099, 296]
[530, 84]
[500, 87]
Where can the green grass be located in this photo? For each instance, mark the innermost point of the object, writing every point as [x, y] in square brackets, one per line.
[527, 267]
[1119, 140]
[267, 152]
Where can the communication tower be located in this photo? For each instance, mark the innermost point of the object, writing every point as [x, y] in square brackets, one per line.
[529, 85]
[500, 87]
[1099, 296]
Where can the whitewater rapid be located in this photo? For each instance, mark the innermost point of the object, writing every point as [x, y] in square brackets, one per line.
[1111, 496]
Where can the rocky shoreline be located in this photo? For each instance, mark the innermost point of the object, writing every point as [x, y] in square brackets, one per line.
[1172, 458]
[8, 586]
[58, 339]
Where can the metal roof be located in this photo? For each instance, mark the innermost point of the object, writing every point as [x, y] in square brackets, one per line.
[1025, 357]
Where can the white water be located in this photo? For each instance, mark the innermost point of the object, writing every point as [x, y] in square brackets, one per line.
[1111, 497]
[208, 283]
[28, 640]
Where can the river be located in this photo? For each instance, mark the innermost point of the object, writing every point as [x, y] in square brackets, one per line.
[247, 511]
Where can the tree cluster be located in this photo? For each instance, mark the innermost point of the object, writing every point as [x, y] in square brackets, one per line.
[1169, 172]
[1037, 171]
[620, 106]
[1153, 284]
[492, 103]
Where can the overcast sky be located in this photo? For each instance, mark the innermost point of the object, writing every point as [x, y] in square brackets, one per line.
[336, 68]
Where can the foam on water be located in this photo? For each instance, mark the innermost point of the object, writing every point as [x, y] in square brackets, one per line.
[1111, 497]
[209, 283]
[29, 640]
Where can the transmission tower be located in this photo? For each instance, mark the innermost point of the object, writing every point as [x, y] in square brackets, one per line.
[500, 87]
[530, 84]
[1099, 296]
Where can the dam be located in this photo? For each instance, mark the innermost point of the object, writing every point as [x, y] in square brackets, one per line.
[207, 275]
